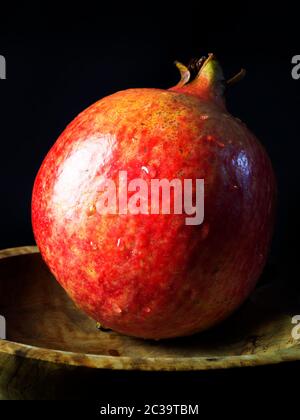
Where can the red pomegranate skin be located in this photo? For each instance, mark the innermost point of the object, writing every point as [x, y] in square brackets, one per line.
[152, 276]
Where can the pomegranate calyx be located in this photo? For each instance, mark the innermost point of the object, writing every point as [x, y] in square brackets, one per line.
[202, 78]
[185, 74]
[236, 78]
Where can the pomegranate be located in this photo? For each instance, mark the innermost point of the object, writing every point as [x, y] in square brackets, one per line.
[154, 275]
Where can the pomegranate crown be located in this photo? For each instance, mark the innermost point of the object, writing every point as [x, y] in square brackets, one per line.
[204, 78]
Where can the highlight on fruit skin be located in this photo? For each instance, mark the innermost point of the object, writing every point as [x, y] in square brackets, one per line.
[151, 275]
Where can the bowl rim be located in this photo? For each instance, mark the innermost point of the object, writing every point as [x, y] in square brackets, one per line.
[96, 361]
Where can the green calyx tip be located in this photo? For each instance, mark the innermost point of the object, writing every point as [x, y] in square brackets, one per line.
[211, 70]
[206, 68]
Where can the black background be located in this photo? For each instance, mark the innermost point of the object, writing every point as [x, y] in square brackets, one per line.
[60, 61]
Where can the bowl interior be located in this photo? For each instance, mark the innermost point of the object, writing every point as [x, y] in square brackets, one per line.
[39, 313]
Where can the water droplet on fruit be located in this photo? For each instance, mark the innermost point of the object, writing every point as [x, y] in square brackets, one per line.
[204, 117]
[235, 187]
[94, 246]
[120, 244]
[117, 309]
[145, 169]
[91, 210]
[149, 170]
[147, 310]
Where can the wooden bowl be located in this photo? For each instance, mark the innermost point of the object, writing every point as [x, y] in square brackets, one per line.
[48, 337]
